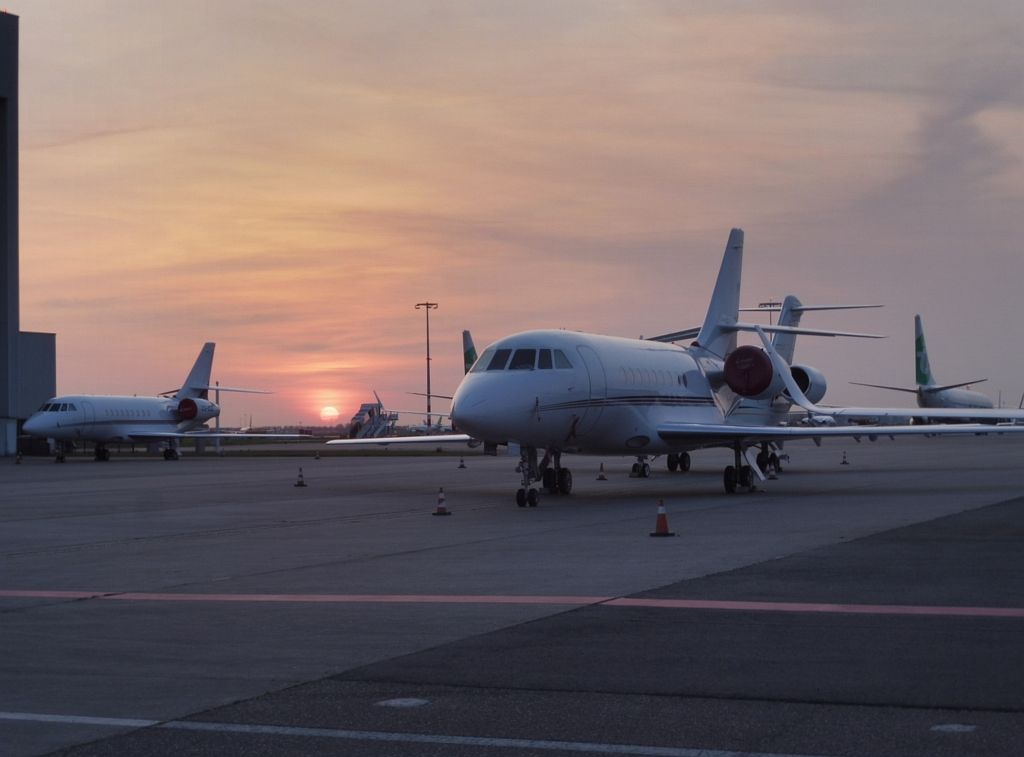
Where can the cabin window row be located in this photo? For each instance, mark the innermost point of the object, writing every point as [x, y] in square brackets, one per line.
[651, 377]
[58, 407]
[524, 359]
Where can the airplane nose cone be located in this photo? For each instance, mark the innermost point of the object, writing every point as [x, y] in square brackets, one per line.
[33, 425]
[470, 413]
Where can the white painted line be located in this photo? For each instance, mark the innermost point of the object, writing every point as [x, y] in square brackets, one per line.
[35, 717]
[384, 736]
[403, 702]
[954, 728]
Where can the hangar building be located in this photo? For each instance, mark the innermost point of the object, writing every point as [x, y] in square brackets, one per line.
[28, 360]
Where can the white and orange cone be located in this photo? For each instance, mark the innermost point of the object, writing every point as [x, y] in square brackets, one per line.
[600, 474]
[661, 525]
[301, 481]
[441, 509]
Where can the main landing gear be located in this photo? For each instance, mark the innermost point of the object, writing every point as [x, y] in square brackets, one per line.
[641, 468]
[678, 462]
[553, 477]
[171, 453]
[738, 475]
[101, 454]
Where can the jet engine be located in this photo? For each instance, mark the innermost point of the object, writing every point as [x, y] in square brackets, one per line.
[187, 410]
[810, 380]
[748, 372]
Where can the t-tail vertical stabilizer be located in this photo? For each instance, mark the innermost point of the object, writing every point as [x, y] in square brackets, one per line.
[197, 384]
[468, 350]
[785, 342]
[921, 367]
[715, 335]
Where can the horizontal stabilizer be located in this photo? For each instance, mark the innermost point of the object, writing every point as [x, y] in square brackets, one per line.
[951, 386]
[882, 386]
[232, 389]
[676, 336]
[806, 308]
[799, 330]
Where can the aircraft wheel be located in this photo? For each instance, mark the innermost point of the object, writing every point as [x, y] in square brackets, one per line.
[550, 481]
[773, 460]
[521, 497]
[532, 497]
[672, 462]
[763, 460]
[634, 471]
[565, 481]
[746, 477]
[645, 470]
[684, 461]
[729, 479]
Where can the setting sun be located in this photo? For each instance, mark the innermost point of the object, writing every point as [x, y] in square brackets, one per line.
[329, 414]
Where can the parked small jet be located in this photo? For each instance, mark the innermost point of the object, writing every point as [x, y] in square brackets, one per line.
[560, 391]
[929, 393]
[180, 414]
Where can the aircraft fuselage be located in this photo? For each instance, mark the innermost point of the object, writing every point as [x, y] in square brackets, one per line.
[607, 395]
[101, 418]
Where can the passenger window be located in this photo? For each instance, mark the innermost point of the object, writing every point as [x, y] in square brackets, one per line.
[63, 406]
[523, 360]
[499, 360]
[544, 359]
[72, 407]
[561, 361]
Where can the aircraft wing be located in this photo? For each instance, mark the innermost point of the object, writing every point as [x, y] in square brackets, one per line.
[161, 435]
[422, 439]
[724, 433]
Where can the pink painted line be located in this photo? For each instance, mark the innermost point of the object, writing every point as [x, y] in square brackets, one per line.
[710, 604]
[479, 599]
[502, 599]
[41, 594]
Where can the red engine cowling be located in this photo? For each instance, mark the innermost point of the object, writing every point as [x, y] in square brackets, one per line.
[811, 382]
[748, 372]
[187, 410]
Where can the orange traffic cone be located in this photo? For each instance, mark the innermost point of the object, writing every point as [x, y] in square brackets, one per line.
[661, 525]
[300, 481]
[845, 461]
[441, 509]
[600, 474]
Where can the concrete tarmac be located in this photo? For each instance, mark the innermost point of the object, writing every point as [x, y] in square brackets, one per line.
[210, 606]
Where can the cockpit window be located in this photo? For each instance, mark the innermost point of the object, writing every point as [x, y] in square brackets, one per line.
[544, 359]
[523, 360]
[499, 360]
[483, 361]
[561, 361]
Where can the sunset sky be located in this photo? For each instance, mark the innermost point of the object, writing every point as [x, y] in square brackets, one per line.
[290, 178]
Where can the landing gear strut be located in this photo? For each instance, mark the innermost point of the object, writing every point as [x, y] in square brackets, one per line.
[678, 461]
[553, 477]
[641, 468]
[738, 475]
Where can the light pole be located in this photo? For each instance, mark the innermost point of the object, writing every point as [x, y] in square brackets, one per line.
[427, 306]
[770, 304]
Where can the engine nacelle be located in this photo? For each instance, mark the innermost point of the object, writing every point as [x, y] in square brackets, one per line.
[811, 382]
[748, 372]
[187, 410]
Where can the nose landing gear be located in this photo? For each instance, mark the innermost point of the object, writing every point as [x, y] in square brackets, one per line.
[549, 472]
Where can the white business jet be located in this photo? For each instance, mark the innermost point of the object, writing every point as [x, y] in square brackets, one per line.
[929, 393]
[563, 391]
[102, 419]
